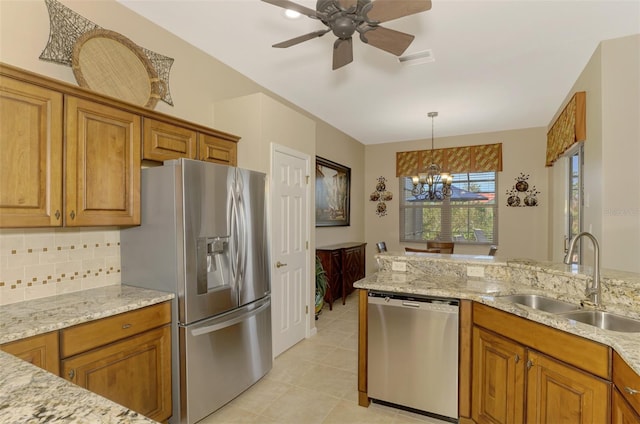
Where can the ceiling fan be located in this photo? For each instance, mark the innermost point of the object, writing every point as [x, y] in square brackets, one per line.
[345, 17]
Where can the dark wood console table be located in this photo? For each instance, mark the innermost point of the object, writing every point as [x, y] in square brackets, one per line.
[344, 264]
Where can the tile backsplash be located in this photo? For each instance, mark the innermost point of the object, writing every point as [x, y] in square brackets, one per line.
[41, 262]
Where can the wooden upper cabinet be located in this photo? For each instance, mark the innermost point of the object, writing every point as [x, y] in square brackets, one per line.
[217, 150]
[163, 141]
[102, 166]
[30, 155]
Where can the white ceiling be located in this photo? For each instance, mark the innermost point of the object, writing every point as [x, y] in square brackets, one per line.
[499, 65]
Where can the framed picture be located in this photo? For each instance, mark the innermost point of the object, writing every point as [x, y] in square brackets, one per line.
[333, 192]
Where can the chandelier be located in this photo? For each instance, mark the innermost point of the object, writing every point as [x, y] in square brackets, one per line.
[433, 184]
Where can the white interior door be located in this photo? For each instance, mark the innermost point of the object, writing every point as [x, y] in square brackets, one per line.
[289, 229]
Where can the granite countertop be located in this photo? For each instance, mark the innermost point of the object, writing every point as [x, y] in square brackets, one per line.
[488, 291]
[29, 394]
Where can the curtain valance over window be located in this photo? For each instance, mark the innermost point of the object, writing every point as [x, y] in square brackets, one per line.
[569, 128]
[455, 160]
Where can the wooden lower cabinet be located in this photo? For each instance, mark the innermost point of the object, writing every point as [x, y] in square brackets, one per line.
[559, 393]
[344, 264]
[498, 379]
[517, 376]
[41, 351]
[622, 412]
[125, 358]
[134, 372]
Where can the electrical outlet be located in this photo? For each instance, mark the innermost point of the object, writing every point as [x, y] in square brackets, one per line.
[475, 271]
[399, 266]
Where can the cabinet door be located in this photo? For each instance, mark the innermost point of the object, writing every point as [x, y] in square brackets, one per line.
[102, 165]
[497, 379]
[135, 372]
[41, 351]
[352, 267]
[558, 393]
[162, 141]
[217, 150]
[622, 413]
[31, 158]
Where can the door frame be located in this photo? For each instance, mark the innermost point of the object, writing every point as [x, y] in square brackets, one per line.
[310, 294]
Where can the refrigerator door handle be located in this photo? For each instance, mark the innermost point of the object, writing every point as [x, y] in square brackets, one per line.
[242, 231]
[232, 213]
[228, 323]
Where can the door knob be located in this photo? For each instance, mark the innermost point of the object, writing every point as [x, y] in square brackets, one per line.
[280, 264]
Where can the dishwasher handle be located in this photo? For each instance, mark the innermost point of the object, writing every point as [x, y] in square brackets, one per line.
[430, 305]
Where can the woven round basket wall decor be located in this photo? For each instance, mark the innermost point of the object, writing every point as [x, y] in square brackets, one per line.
[109, 63]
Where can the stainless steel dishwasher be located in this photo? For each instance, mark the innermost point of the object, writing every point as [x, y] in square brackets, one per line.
[413, 352]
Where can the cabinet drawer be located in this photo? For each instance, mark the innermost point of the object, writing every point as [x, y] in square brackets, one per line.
[83, 337]
[626, 380]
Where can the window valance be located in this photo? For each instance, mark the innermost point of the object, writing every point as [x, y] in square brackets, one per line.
[480, 158]
[569, 128]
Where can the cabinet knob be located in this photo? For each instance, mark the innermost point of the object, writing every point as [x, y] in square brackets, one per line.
[72, 373]
[126, 326]
[72, 215]
[529, 364]
[57, 214]
[631, 391]
[517, 358]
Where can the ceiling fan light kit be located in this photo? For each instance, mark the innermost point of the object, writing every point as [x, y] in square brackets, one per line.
[346, 17]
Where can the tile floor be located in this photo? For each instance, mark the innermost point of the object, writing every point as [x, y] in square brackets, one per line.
[315, 382]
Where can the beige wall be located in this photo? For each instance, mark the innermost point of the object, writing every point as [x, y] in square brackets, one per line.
[198, 82]
[338, 148]
[612, 154]
[519, 232]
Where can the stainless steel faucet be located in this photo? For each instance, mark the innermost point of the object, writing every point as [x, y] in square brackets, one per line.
[594, 292]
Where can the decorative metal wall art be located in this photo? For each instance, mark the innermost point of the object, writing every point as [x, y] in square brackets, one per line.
[68, 26]
[522, 188]
[381, 195]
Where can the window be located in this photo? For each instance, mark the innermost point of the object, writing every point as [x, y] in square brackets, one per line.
[469, 215]
[574, 217]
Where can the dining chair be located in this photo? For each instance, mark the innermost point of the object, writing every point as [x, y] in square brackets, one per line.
[381, 246]
[443, 246]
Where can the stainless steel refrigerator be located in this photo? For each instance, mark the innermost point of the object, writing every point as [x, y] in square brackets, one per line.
[204, 237]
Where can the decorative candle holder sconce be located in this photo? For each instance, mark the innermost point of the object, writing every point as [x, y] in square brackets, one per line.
[521, 188]
[381, 195]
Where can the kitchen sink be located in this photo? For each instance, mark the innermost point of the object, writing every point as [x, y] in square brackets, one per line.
[541, 303]
[605, 320]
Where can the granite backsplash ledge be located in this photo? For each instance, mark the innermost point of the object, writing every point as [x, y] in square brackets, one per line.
[620, 290]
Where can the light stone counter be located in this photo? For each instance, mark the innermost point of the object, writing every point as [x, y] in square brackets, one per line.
[446, 276]
[29, 394]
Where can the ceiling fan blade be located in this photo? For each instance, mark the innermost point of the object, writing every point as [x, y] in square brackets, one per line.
[286, 4]
[302, 38]
[389, 40]
[388, 10]
[342, 52]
